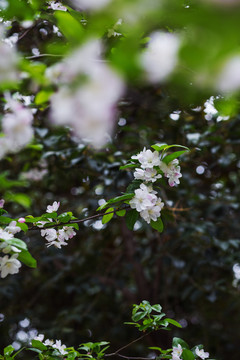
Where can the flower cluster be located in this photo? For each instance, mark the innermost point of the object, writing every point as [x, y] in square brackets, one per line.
[9, 264]
[55, 237]
[177, 352]
[57, 345]
[16, 127]
[152, 168]
[147, 203]
[88, 94]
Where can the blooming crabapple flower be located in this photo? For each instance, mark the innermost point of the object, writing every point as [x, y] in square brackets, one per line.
[60, 347]
[12, 228]
[53, 207]
[5, 235]
[2, 203]
[147, 158]
[39, 337]
[49, 234]
[201, 353]
[66, 233]
[6, 248]
[48, 342]
[143, 199]
[34, 174]
[177, 352]
[9, 265]
[21, 220]
[160, 57]
[148, 175]
[57, 6]
[152, 213]
[90, 4]
[172, 171]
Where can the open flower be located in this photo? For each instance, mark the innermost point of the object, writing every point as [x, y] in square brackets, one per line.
[9, 265]
[147, 158]
[201, 353]
[53, 207]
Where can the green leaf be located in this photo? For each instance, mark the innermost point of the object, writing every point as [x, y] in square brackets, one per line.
[157, 225]
[174, 322]
[131, 218]
[106, 218]
[115, 200]
[23, 226]
[39, 345]
[167, 159]
[138, 316]
[5, 220]
[159, 147]
[69, 26]
[8, 350]
[18, 243]
[121, 212]
[127, 166]
[187, 355]
[27, 259]
[43, 96]
[157, 308]
[177, 341]
[19, 198]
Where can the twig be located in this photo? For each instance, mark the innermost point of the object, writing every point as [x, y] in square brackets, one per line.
[135, 357]
[42, 55]
[125, 346]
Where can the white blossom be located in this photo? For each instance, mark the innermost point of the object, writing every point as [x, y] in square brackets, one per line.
[12, 228]
[60, 347]
[9, 265]
[53, 207]
[48, 342]
[172, 171]
[148, 175]
[49, 234]
[34, 174]
[90, 4]
[229, 78]
[16, 127]
[39, 337]
[8, 60]
[152, 213]
[177, 352]
[148, 158]
[201, 353]
[143, 199]
[5, 235]
[2, 203]
[7, 248]
[89, 109]
[57, 6]
[66, 233]
[160, 57]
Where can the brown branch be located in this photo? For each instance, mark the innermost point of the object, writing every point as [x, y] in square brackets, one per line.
[135, 357]
[125, 346]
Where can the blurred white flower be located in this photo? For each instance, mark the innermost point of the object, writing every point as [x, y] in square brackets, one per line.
[177, 352]
[34, 174]
[16, 126]
[161, 55]
[2, 203]
[5, 235]
[229, 78]
[53, 207]
[12, 228]
[6, 248]
[201, 353]
[90, 4]
[39, 337]
[57, 6]
[60, 347]
[8, 60]
[9, 265]
[89, 109]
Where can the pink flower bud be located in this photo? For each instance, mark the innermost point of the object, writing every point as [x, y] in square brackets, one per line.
[21, 220]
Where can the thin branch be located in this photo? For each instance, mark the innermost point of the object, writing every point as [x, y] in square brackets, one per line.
[125, 346]
[42, 55]
[49, 226]
[135, 357]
